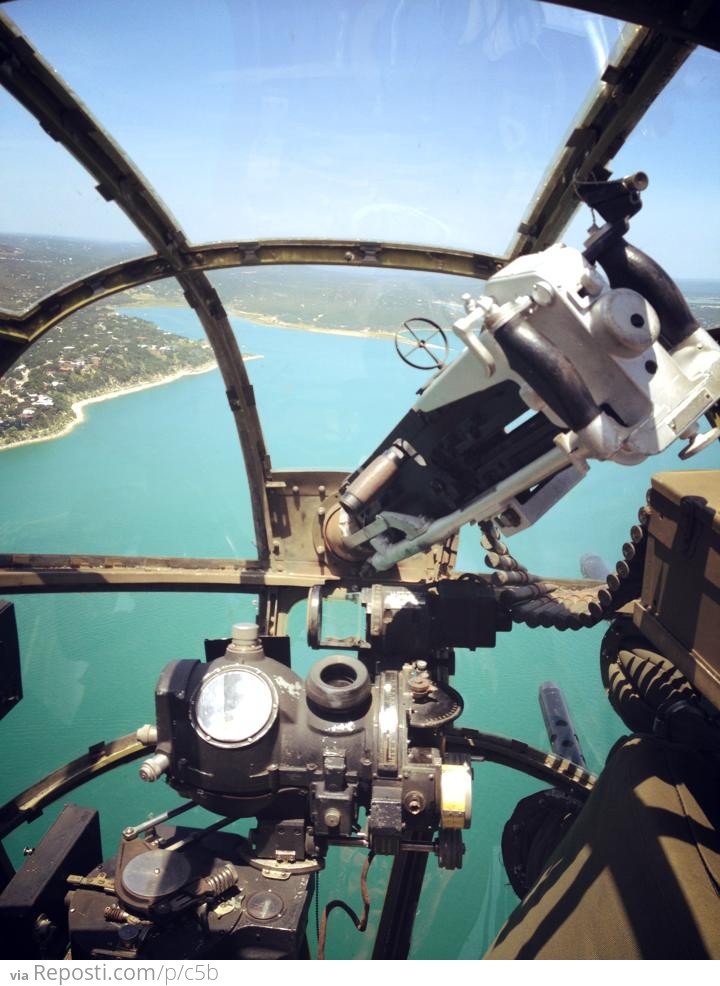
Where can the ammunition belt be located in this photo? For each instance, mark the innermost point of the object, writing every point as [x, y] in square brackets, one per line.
[535, 601]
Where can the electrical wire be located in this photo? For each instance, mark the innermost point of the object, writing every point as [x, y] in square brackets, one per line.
[359, 922]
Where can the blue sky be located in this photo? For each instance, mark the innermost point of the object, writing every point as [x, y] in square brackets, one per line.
[415, 120]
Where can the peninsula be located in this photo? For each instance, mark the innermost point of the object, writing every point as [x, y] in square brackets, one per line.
[94, 355]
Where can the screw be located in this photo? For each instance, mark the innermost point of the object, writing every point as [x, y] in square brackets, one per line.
[44, 929]
[414, 802]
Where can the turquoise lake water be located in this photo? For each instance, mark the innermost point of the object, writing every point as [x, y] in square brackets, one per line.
[160, 472]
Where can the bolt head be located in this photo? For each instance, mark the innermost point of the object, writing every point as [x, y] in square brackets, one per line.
[332, 817]
[542, 293]
[414, 802]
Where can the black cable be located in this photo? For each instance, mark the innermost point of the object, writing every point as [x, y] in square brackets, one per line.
[359, 922]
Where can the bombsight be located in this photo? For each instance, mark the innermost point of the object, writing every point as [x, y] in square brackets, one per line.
[246, 736]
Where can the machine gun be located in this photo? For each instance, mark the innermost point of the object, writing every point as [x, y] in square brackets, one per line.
[558, 367]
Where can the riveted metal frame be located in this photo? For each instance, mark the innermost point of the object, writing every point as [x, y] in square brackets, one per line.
[697, 22]
[28, 326]
[639, 68]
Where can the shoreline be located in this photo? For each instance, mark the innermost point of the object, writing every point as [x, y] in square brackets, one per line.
[271, 321]
[78, 407]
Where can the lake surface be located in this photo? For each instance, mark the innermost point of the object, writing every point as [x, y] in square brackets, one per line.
[160, 472]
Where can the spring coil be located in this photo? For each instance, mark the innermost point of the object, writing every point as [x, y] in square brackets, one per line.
[220, 881]
[116, 913]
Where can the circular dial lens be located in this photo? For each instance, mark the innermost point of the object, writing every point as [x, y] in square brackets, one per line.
[235, 706]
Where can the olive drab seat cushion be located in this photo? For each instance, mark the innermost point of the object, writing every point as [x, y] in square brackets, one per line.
[638, 874]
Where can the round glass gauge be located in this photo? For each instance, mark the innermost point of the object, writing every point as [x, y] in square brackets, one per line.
[265, 905]
[235, 706]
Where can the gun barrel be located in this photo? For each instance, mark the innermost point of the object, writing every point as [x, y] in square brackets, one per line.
[559, 724]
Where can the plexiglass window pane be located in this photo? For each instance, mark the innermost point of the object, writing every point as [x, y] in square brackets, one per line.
[322, 356]
[147, 472]
[677, 144]
[54, 227]
[394, 122]
[90, 665]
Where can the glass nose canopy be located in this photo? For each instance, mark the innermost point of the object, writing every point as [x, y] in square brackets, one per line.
[366, 121]
[381, 123]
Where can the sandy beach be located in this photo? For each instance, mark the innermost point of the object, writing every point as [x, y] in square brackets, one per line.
[78, 408]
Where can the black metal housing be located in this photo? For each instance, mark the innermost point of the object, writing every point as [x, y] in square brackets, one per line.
[33, 916]
[11, 691]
